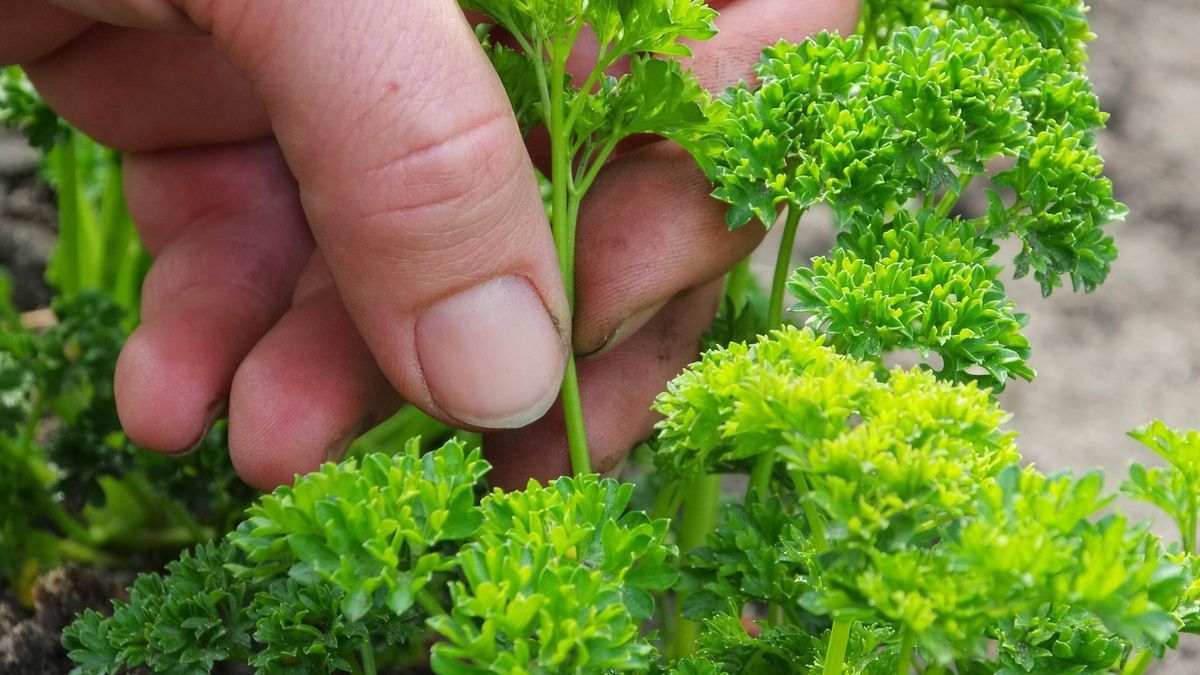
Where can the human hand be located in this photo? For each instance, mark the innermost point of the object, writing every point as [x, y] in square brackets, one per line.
[429, 274]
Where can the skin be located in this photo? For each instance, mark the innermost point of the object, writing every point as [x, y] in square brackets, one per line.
[312, 178]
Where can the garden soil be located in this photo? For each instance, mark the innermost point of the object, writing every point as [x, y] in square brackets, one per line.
[1106, 361]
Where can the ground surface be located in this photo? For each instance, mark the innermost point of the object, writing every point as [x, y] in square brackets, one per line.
[1107, 362]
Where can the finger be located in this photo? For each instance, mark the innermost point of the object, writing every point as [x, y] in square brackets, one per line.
[648, 231]
[159, 15]
[30, 29]
[306, 390]
[417, 188]
[617, 390]
[137, 91]
[229, 241]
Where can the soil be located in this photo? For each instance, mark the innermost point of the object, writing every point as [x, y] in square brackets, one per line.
[29, 641]
[1107, 361]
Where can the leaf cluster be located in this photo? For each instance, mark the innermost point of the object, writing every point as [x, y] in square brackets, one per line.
[909, 514]
[921, 283]
[889, 129]
[603, 105]
[558, 579]
[1174, 488]
[349, 562]
[62, 446]
[21, 108]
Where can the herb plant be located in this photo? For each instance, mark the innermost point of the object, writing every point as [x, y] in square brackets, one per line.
[888, 525]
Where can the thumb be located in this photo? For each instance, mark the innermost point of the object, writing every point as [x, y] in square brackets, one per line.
[415, 182]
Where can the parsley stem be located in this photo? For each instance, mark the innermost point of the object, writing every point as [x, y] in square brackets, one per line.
[907, 643]
[368, 658]
[952, 196]
[667, 501]
[1138, 663]
[816, 527]
[699, 516]
[581, 461]
[783, 267]
[760, 474]
[835, 653]
[737, 285]
[68, 254]
[427, 602]
[561, 216]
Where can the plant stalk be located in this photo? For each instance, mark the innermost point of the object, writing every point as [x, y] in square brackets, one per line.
[760, 474]
[367, 653]
[667, 501]
[783, 263]
[67, 257]
[699, 516]
[816, 527]
[1138, 663]
[946, 205]
[428, 603]
[737, 285]
[907, 642]
[835, 654]
[564, 243]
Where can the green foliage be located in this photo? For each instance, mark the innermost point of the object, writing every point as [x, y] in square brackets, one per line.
[21, 108]
[588, 117]
[1055, 641]
[62, 446]
[919, 283]
[741, 562]
[1058, 24]
[349, 560]
[1174, 488]
[181, 622]
[890, 128]
[367, 528]
[909, 512]
[97, 246]
[558, 581]
[791, 394]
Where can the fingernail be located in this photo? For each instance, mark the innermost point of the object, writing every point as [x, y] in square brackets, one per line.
[629, 326]
[491, 355]
[216, 410]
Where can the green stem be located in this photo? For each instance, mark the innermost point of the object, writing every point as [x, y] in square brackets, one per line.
[907, 643]
[760, 474]
[581, 461]
[37, 409]
[700, 511]
[367, 654]
[67, 255]
[782, 267]
[1138, 663]
[816, 526]
[564, 243]
[667, 501]
[737, 285]
[83, 553]
[50, 508]
[835, 654]
[952, 196]
[427, 602]
[699, 516]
